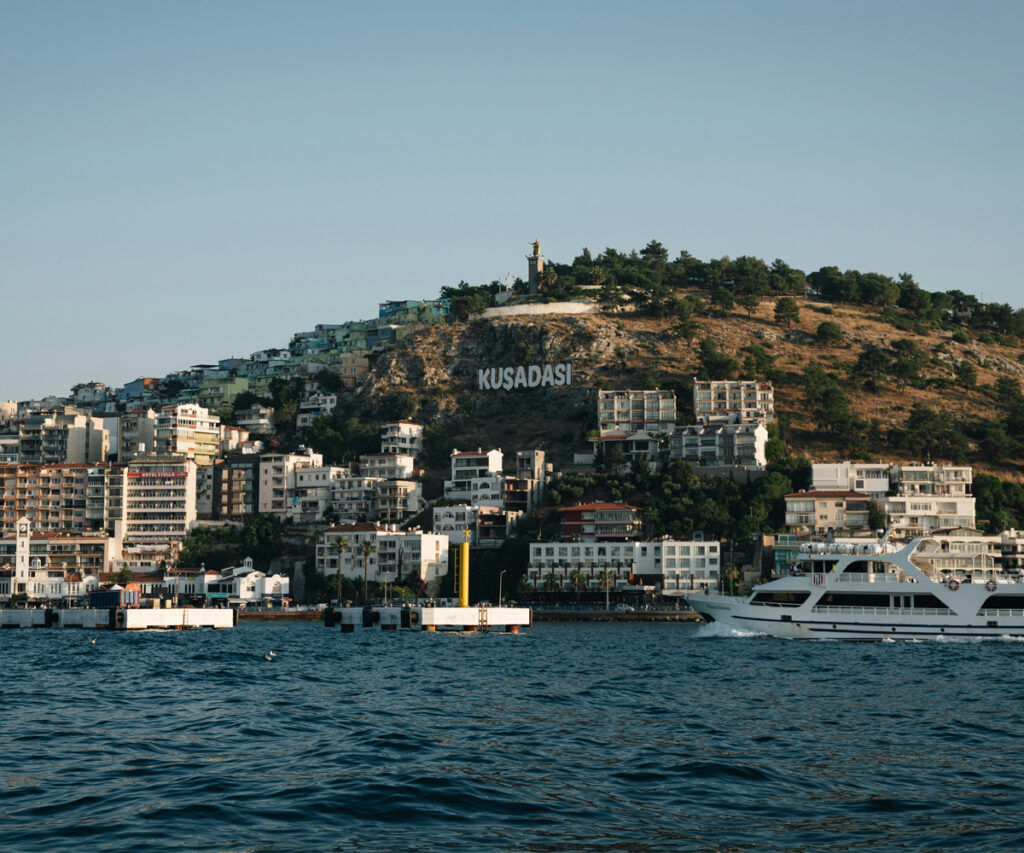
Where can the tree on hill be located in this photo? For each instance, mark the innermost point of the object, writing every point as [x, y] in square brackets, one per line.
[723, 299]
[786, 310]
[749, 303]
[829, 333]
[715, 364]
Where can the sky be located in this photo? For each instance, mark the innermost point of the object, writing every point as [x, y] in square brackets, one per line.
[186, 181]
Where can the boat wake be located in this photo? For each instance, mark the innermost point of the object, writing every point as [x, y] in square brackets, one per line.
[717, 629]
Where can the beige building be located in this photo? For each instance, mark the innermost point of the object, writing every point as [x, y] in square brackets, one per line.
[633, 411]
[65, 436]
[188, 430]
[823, 512]
[733, 401]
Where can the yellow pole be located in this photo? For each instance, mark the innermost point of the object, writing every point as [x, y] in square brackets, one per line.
[464, 574]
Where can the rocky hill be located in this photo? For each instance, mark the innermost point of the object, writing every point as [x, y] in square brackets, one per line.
[438, 367]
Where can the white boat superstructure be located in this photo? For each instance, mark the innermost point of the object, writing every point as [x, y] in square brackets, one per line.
[875, 591]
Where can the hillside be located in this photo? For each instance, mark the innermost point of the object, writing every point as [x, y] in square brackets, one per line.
[437, 368]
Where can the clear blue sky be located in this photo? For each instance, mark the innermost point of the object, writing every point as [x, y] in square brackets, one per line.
[185, 181]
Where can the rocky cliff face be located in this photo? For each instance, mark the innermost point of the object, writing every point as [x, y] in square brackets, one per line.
[440, 364]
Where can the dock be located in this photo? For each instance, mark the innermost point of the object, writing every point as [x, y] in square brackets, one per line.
[121, 618]
[484, 617]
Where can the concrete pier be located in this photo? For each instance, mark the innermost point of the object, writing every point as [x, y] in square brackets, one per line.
[481, 618]
[121, 619]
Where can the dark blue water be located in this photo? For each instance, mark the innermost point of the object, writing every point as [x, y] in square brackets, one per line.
[568, 737]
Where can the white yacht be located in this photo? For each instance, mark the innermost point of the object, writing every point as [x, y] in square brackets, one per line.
[875, 591]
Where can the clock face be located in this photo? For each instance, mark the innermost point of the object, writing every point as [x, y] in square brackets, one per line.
[23, 530]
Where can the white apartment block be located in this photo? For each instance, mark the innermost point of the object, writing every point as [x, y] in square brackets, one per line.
[256, 419]
[313, 492]
[313, 407]
[483, 526]
[632, 411]
[398, 499]
[476, 478]
[733, 401]
[188, 430]
[65, 436]
[919, 515]
[403, 437]
[151, 499]
[387, 466]
[917, 498]
[277, 478]
[868, 478]
[678, 567]
[398, 555]
[355, 497]
[720, 445]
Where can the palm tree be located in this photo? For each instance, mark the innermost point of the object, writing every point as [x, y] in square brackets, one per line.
[340, 545]
[550, 582]
[731, 574]
[366, 548]
[577, 579]
[606, 580]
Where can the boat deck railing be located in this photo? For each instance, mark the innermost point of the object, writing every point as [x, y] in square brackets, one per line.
[874, 577]
[993, 611]
[826, 609]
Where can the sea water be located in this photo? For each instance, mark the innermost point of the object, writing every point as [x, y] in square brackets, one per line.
[566, 737]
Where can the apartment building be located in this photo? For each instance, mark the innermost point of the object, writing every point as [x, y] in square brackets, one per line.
[619, 451]
[402, 437]
[602, 522]
[151, 499]
[64, 436]
[48, 567]
[257, 418]
[313, 407]
[216, 392]
[136, 434]
[313, 492]
[917, 498]
[677, 568]
[190, 431]
[387, 466]
[482, 526]
[632, 411]
[721, 445]
[733, 401]
[396, 555]
[277, 478]
[476, 478]
[85, 553]
[822, 511]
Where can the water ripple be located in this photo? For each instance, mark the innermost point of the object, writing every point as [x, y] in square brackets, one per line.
[567, 737]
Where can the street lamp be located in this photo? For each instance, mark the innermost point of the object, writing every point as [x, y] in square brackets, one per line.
[500, 579]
